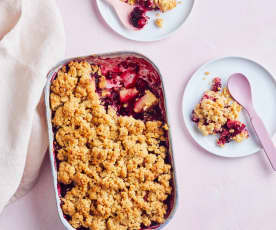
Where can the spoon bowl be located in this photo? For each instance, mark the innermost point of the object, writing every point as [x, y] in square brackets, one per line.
[240, 89]
[123, 11]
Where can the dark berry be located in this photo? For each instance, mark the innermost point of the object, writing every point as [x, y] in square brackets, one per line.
[194, 117]
[216, 86]
[146, 4]
[138, 17]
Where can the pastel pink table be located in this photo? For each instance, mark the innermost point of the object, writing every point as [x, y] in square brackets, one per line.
[214, 193]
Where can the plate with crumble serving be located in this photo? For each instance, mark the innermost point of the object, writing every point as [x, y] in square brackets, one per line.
[110, 145]
[215, 120]
[154, 19]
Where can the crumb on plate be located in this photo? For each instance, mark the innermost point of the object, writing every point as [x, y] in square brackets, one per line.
[159, 22]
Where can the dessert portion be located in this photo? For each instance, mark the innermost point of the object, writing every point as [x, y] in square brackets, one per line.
[217, 114]
[111, 144]
[138, 16]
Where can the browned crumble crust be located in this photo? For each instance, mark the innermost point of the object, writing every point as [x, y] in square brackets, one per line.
[115, 163]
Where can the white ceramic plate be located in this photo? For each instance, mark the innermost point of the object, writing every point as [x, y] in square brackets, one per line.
[173, 19]
[264, 98]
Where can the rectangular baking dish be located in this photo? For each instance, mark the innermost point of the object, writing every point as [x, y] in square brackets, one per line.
[50, 77]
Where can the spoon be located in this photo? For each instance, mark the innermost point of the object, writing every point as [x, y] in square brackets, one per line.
[240, 90]
[123, 11]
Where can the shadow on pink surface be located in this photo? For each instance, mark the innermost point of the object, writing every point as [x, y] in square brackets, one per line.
[41, 212]
[95, 9]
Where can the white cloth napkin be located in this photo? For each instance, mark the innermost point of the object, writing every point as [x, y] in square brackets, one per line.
[31, 42]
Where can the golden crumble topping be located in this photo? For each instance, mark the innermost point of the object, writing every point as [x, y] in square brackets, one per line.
[218, 113]
[216, 108]
[115, 165]
[165, 5]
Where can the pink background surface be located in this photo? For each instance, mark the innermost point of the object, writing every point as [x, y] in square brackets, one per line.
[214, 193]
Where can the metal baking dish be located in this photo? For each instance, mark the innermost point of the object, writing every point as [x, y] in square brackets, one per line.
[50, 77]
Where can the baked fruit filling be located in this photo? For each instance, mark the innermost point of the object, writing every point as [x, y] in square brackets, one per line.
[111, 144]
[217, 114]
[138, 16]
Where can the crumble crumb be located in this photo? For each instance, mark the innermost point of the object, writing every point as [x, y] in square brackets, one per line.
[159, 22]
[165, 5]
[102, 82]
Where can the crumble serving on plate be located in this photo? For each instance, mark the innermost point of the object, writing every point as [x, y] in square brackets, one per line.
[217, 113]
[111, 145]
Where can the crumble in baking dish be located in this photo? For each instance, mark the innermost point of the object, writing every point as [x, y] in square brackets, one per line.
[111, 144]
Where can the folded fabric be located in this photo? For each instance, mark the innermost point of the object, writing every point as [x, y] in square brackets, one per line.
[31, 42]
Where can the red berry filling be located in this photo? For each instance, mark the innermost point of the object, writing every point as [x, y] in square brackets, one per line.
[138, 17]
[216, 86]
[146, 4]
[230, 130]
[129, 78]
[132, 86]
[194, 117]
